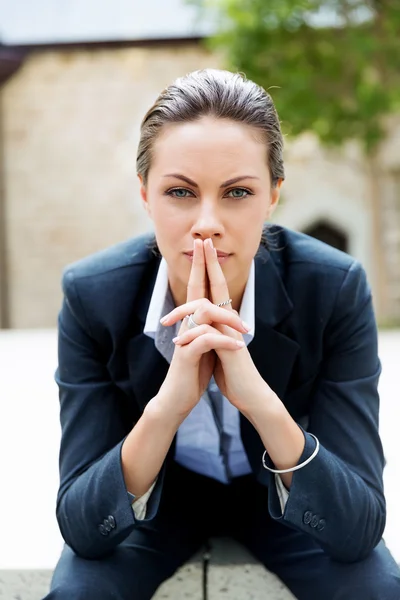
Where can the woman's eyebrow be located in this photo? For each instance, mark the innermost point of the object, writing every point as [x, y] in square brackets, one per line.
[225, 184]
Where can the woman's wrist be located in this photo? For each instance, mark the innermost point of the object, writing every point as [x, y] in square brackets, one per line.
[282, 438]
[164, 407]
[261, 404]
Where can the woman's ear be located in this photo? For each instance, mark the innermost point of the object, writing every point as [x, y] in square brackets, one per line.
[275, 193]
[143, 194]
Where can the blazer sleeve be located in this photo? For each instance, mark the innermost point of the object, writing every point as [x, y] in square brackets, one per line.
[338, 498]
[93, 511]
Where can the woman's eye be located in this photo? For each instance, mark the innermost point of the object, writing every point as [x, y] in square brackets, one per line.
[182, 193]
[239, 193]
[179, 193]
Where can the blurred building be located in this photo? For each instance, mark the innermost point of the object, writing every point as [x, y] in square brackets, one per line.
[75, 82]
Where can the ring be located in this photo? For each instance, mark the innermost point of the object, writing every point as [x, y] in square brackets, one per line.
[191, 322]
[225, 303]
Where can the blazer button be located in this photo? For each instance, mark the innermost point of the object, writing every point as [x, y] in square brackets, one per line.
[307, 517]
[107, 525]
[321, 525]
[102, 529]
[112, 522]
[314, 521]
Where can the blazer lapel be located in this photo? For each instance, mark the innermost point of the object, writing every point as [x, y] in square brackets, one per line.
[273, 352]
[147, 367]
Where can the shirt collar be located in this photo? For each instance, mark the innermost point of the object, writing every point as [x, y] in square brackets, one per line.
[161, 291]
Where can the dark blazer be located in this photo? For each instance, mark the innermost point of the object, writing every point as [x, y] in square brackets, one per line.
[315, 345]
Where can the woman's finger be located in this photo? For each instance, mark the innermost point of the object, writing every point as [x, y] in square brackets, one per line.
[191, 334]
[206, 313]
[197, 284]
[219, 291]
[210, 341]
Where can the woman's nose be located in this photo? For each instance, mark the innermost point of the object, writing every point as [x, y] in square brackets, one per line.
[208, 224]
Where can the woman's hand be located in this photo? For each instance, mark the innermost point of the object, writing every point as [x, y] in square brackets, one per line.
[235, 373]
[193, 364]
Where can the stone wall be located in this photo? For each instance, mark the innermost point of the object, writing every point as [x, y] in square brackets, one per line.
[360, 197]
[71, 126]
[70, 130]
[329, 186]
[389, 206]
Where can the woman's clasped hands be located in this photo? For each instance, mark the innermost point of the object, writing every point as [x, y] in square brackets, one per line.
[213, 345]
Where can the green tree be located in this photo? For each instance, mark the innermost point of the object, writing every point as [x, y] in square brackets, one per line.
[332, 67]
[334, 64]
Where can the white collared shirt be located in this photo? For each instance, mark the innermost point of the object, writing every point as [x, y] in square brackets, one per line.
[198, 438]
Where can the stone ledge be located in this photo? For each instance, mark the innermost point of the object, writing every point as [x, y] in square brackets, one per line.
[24, 584]
[234, 574]
[187, 584]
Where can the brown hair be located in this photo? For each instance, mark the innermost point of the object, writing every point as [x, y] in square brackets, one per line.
[219, 94]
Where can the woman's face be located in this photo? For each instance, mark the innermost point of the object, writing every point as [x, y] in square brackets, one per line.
[209, 179]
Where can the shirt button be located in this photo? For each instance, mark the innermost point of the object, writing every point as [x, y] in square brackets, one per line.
[307, 517]
[314, 521]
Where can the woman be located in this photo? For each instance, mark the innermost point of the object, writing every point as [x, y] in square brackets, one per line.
[251, 409]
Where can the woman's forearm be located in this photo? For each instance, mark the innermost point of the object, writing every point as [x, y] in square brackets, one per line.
[145, 448]
[281, 436]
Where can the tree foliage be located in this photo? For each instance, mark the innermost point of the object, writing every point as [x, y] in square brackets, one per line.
[332, 66]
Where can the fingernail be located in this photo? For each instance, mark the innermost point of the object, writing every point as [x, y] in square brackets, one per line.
[246, 326]
[240, 344]
[164, 320]
[176, 339]
[211, 243]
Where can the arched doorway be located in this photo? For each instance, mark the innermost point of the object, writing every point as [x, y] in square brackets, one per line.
[329, 234]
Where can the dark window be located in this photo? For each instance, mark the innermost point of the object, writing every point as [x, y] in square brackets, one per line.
[328, 234]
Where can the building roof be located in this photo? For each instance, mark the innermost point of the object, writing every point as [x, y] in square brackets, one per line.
[31, 22]
[38, 22]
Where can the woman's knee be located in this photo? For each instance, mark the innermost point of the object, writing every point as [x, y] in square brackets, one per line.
[375, 578]
[99, 589]
[114, 578]
[77, 591]
[386, 588]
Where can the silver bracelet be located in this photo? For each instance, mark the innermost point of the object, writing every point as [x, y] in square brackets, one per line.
[297, 467]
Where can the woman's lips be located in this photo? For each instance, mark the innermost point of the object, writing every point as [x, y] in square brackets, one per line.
[222, 256]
